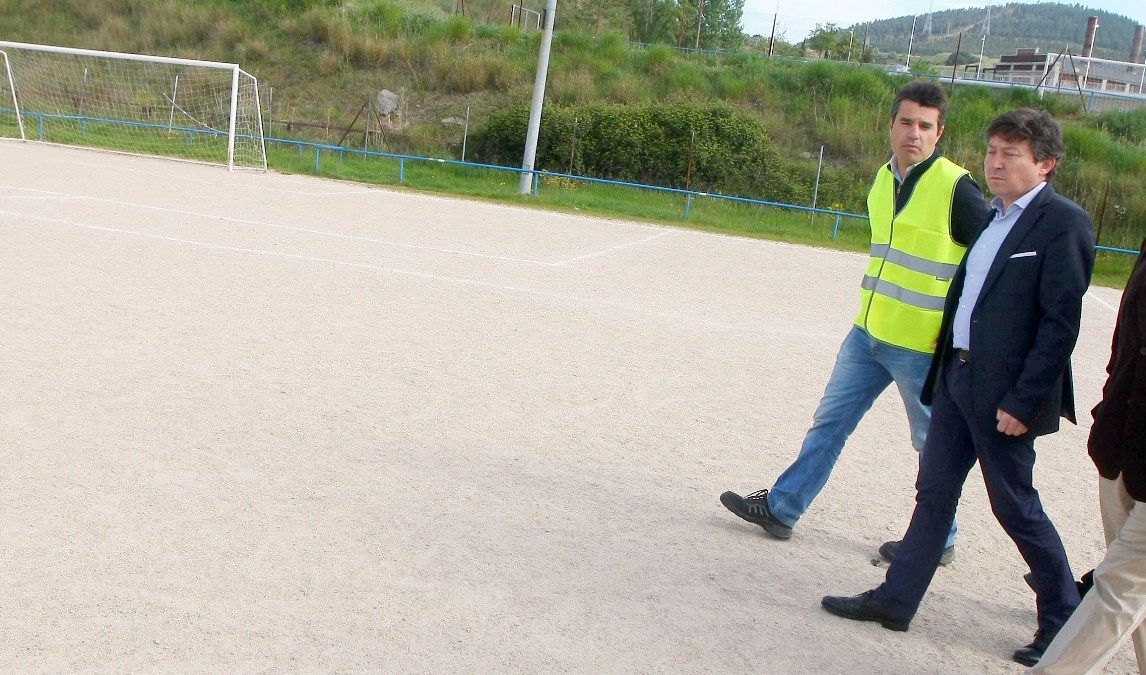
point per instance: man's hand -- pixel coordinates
(1009, 424)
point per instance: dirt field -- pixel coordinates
(260, 422)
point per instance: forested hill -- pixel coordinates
(1047, 26)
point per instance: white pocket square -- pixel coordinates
(1025, 254)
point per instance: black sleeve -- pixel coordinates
(969, 211)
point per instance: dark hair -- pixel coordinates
(1028, 124)
(924, 93)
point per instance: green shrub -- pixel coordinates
(501, 38)
(1127, 126)
(864, 84)
(417, 24)
(627, 88)
(384, 17)
(687, 76)
(455, 30)
(1097, 147)
(572, 87)
(819, 76)
(731, 85)
(655, 60)
(731, 152)
(612, 46)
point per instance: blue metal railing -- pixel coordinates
(537, 175)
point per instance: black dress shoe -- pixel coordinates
(863, 608)
(1030, 655)
(888, 549)
(754, 509)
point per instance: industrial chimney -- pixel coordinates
(1088, 41)
(1136, 47)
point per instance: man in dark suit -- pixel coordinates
(999, 378)
(1114, 607)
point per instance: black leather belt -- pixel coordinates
(963, 355)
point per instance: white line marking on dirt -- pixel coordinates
(611, 249)
(669, 316)
(1092, 296)
(292, 228)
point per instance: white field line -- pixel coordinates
(167, 159)
(1092, 296)
(618, 247)
(339, 189)
(292, 228)
(673, 317)
(48, 194)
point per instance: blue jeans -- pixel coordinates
(864, 368)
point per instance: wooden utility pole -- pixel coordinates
(955, 65)
(699, 22)
(772, 40)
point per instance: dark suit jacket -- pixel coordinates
(1118, 437)
(1025, 323)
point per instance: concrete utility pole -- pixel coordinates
(525, 187)
(983, 45)
(910, 41)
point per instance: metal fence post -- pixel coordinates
(687, 204)
(401, 169)
(317, 157)
(836, 229)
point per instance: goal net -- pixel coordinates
(196, 110)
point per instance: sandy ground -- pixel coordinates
(257, 422)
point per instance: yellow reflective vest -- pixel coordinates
(913, 258)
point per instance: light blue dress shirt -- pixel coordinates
(979, 260)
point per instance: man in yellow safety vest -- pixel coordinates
(924, 211)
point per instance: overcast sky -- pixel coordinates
(797, 17)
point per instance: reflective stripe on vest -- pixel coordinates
(911, 262)
(903, 295)
(913, 258)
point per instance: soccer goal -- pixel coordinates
(196, 110)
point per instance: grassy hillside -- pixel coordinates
(325, 60)
(1051, 27)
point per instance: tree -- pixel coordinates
(923, 67)
(825, 39)
(675, 22)
(653, 20)
(721, 27)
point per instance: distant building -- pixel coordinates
(1031, 66)
(1096, 74)
(1027, 66)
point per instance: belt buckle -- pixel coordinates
(963, 355)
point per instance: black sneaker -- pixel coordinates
(754, 509)
(888, 549)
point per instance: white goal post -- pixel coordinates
(201, 111)
(9, 108)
